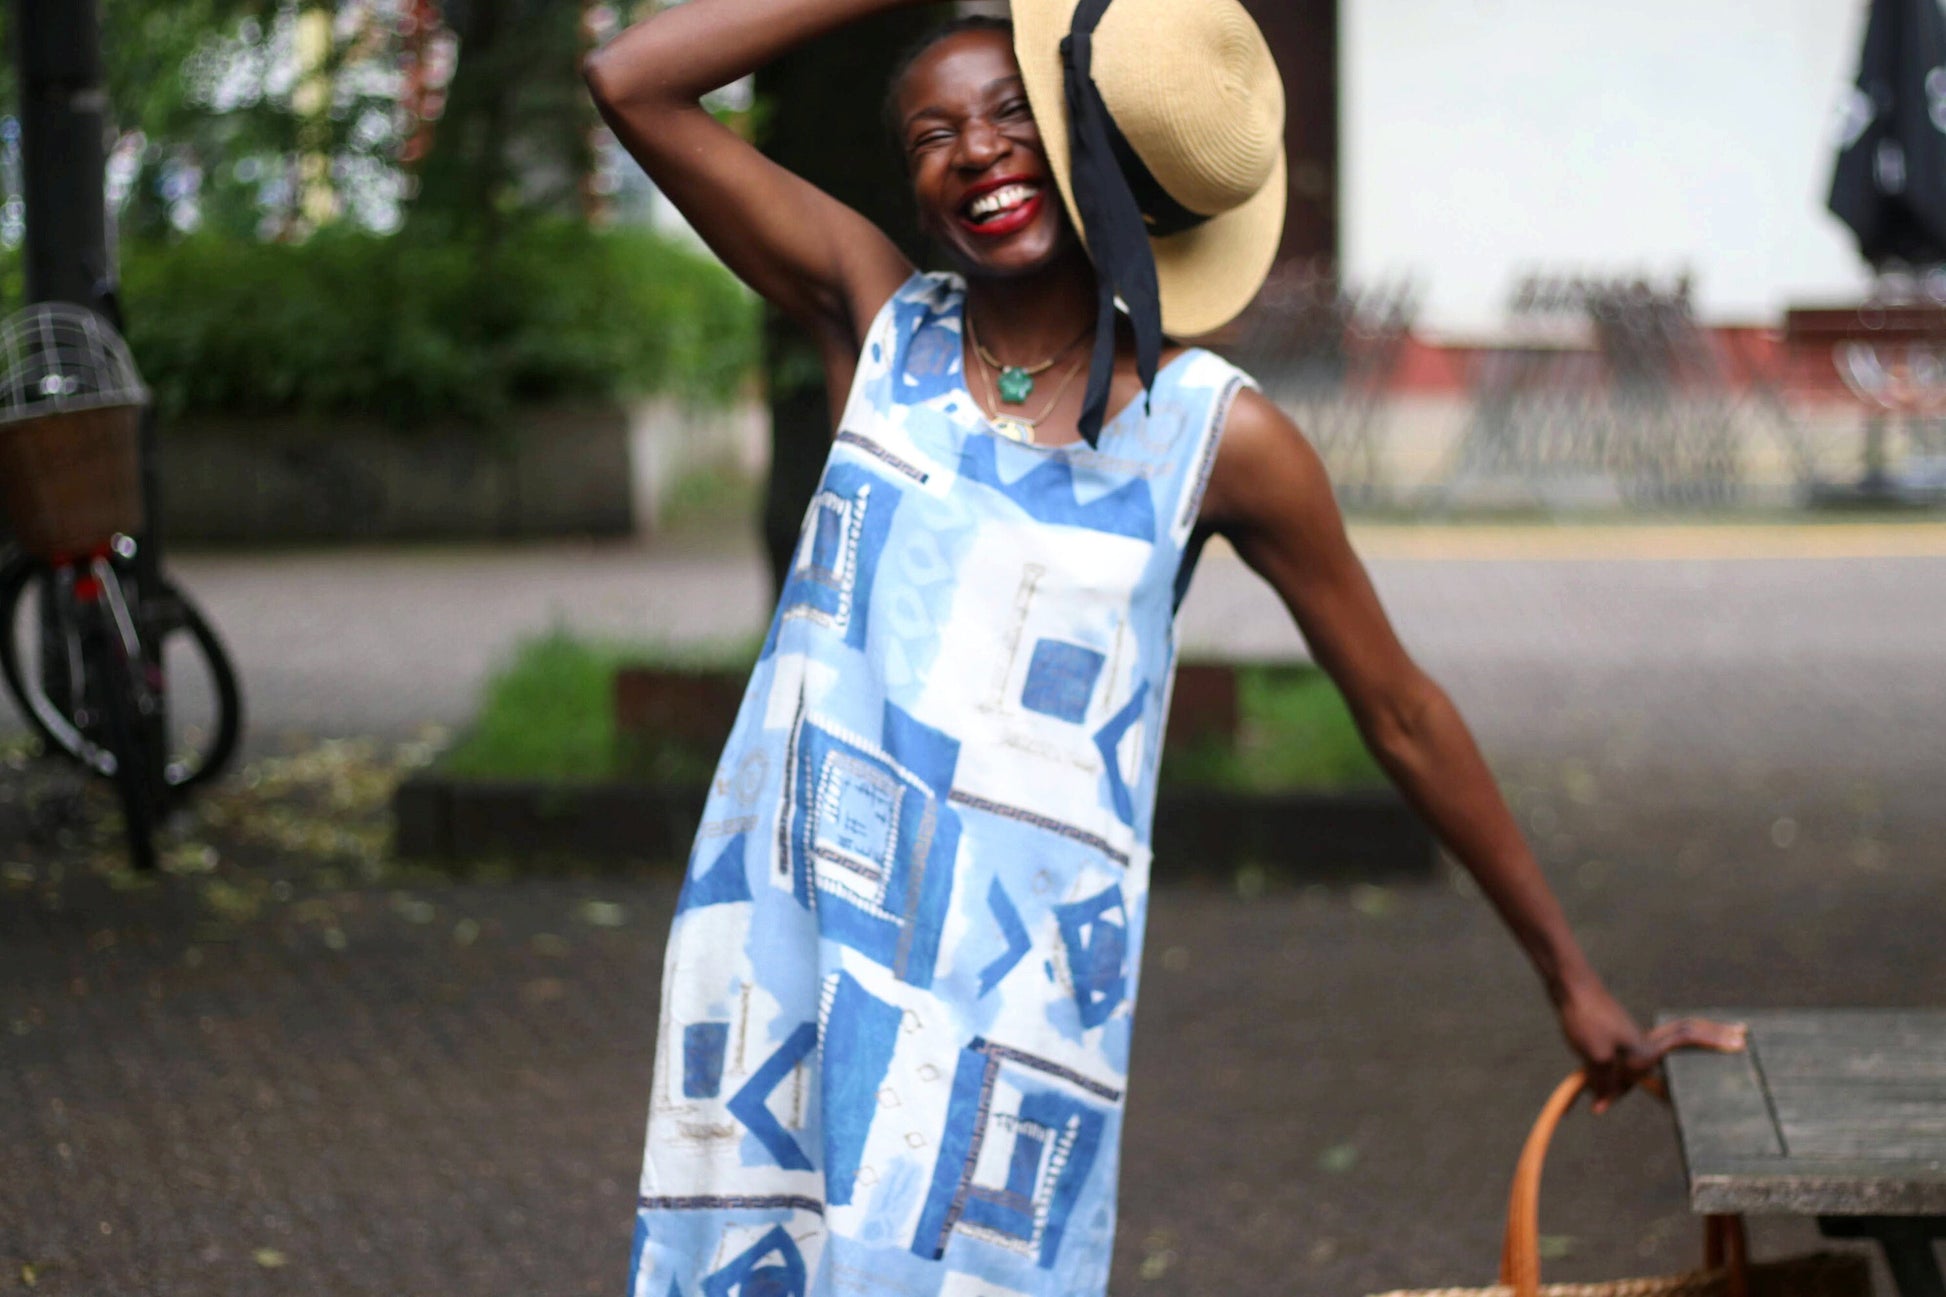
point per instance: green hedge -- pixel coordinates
(409, 328)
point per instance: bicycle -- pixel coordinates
(87, 659)
(85, 649)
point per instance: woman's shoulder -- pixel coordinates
(1198, 368)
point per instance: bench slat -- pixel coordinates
(1835, 1112)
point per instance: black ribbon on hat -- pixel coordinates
(1121, 205)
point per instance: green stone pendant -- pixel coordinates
(1016, 384)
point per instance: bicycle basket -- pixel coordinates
(70, 417)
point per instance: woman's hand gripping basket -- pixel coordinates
(1726, 1271)
(70, 422)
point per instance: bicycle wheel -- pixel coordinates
(115, 681)
(201, 694)
(204, 712)
(39, 642)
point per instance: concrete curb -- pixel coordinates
(1357, 835)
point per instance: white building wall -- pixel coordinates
(1483, 138)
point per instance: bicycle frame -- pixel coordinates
(82, 582)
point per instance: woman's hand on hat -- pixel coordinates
(1617, 1054)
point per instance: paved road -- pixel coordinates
(307, 1072)
(282, 1078)
(1761, 657)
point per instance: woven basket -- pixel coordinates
(70, 481)
(1727, 1270)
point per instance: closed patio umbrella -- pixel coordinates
(1890, 182)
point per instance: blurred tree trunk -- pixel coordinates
(514, 134)
(824, 106)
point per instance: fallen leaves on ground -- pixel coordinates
(285, 838)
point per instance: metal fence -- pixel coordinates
(1325, 351)
(1607, 391)
(1600, 391)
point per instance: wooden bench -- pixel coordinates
(1837, 1114)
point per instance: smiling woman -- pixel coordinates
(970, 82)
(898, 996)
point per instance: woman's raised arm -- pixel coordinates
(819, 261)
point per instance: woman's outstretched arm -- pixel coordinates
(1270, 497)
(819, 261)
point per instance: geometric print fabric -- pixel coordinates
(898, 992)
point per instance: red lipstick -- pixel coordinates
(1010, 222)
(1018, 219)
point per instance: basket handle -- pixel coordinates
(1724, 1242)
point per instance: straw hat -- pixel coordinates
(1192, 88)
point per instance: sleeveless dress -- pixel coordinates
(897, 998)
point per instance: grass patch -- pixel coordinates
(549, 714)
(1293, 732)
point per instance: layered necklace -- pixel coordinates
(1013, 384)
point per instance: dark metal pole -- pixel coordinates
(64, 122)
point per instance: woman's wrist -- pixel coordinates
(1566, 972)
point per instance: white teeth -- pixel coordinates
(1000, 200)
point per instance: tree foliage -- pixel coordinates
(275, 117)
(250, 131)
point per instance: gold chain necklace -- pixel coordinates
(1020, 427)
(1016, 382)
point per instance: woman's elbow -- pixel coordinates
(598, 73)
(630, 72)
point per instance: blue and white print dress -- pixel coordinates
(897, 998)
